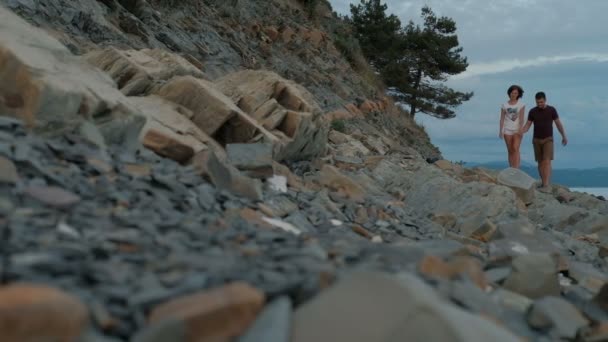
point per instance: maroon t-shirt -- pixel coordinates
(543, 121)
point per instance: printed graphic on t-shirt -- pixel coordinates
(512, 113)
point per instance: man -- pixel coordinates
(543, 116)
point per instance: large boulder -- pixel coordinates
(432, 193)
(42, 83)
(287, 109)
(520, 182)
(213, 112)
(168, 130)
(135, 71)
(375, 307)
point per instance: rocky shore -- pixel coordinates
(147, 196)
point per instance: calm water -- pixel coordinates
(593, 191)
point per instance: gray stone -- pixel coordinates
(520, 182)
(497, 275)
(556, 314)
(511, 300)
(375, 307)
(168, 330)
(281, 206)
(272, 325)
(534, 276)
(52, 196)
(255, 158)
(227, 177)
(8, 171)
(89, 131)
(467, 294)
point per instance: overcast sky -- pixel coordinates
(558, 46)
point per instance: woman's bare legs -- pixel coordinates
(516, 143)
(509, 143)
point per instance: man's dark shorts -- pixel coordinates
(543, 148)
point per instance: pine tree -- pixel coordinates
(414, 60)
(375, 30)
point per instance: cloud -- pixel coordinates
(505, 65)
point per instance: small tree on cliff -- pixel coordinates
(416, 60)
(375, 30)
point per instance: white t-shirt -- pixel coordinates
(512, 122)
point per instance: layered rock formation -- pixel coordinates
(171, 198)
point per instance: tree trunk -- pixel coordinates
(417, 81)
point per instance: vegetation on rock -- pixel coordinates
(414, 60)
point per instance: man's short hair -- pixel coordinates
(540, 95)
(519, 90)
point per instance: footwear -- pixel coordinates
(547, 189)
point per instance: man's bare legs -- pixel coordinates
(544, 170)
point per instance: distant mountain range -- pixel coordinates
(595, 177)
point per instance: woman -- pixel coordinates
(511, 122)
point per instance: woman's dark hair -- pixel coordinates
(519, 90)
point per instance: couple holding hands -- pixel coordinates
(513, 127)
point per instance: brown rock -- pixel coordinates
(337, 137)
(136, 70)
(432, 266)
(211, 109)
(52, 196)
(278, 207)
(302, 133)
(354, 110)
(294, 181)
(33, 313)
(599, 333)
(173, 120)
(274, 120)
(166, 145)
(288, 34)
(332, 178)
(361, 215)
(8, 171)
(138, 170)
(316, 37)
(272, 33)
(445, 165)
(445, 220)
(254, 217)
(265, 110)
(219, 314)
(340, 114)
(368, 107)
(53, 90)
(486, 232)
(362, 231)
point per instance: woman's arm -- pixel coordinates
(502, 122)
(522, 114)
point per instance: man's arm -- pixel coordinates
(526, 127)
(522, 112)
(560, 128)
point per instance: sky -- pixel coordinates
(557, 46)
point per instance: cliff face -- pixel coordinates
(216, 171)
(294, 39)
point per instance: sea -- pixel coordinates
(593, 191)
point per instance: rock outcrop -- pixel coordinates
(261, 207)
(42, 83)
